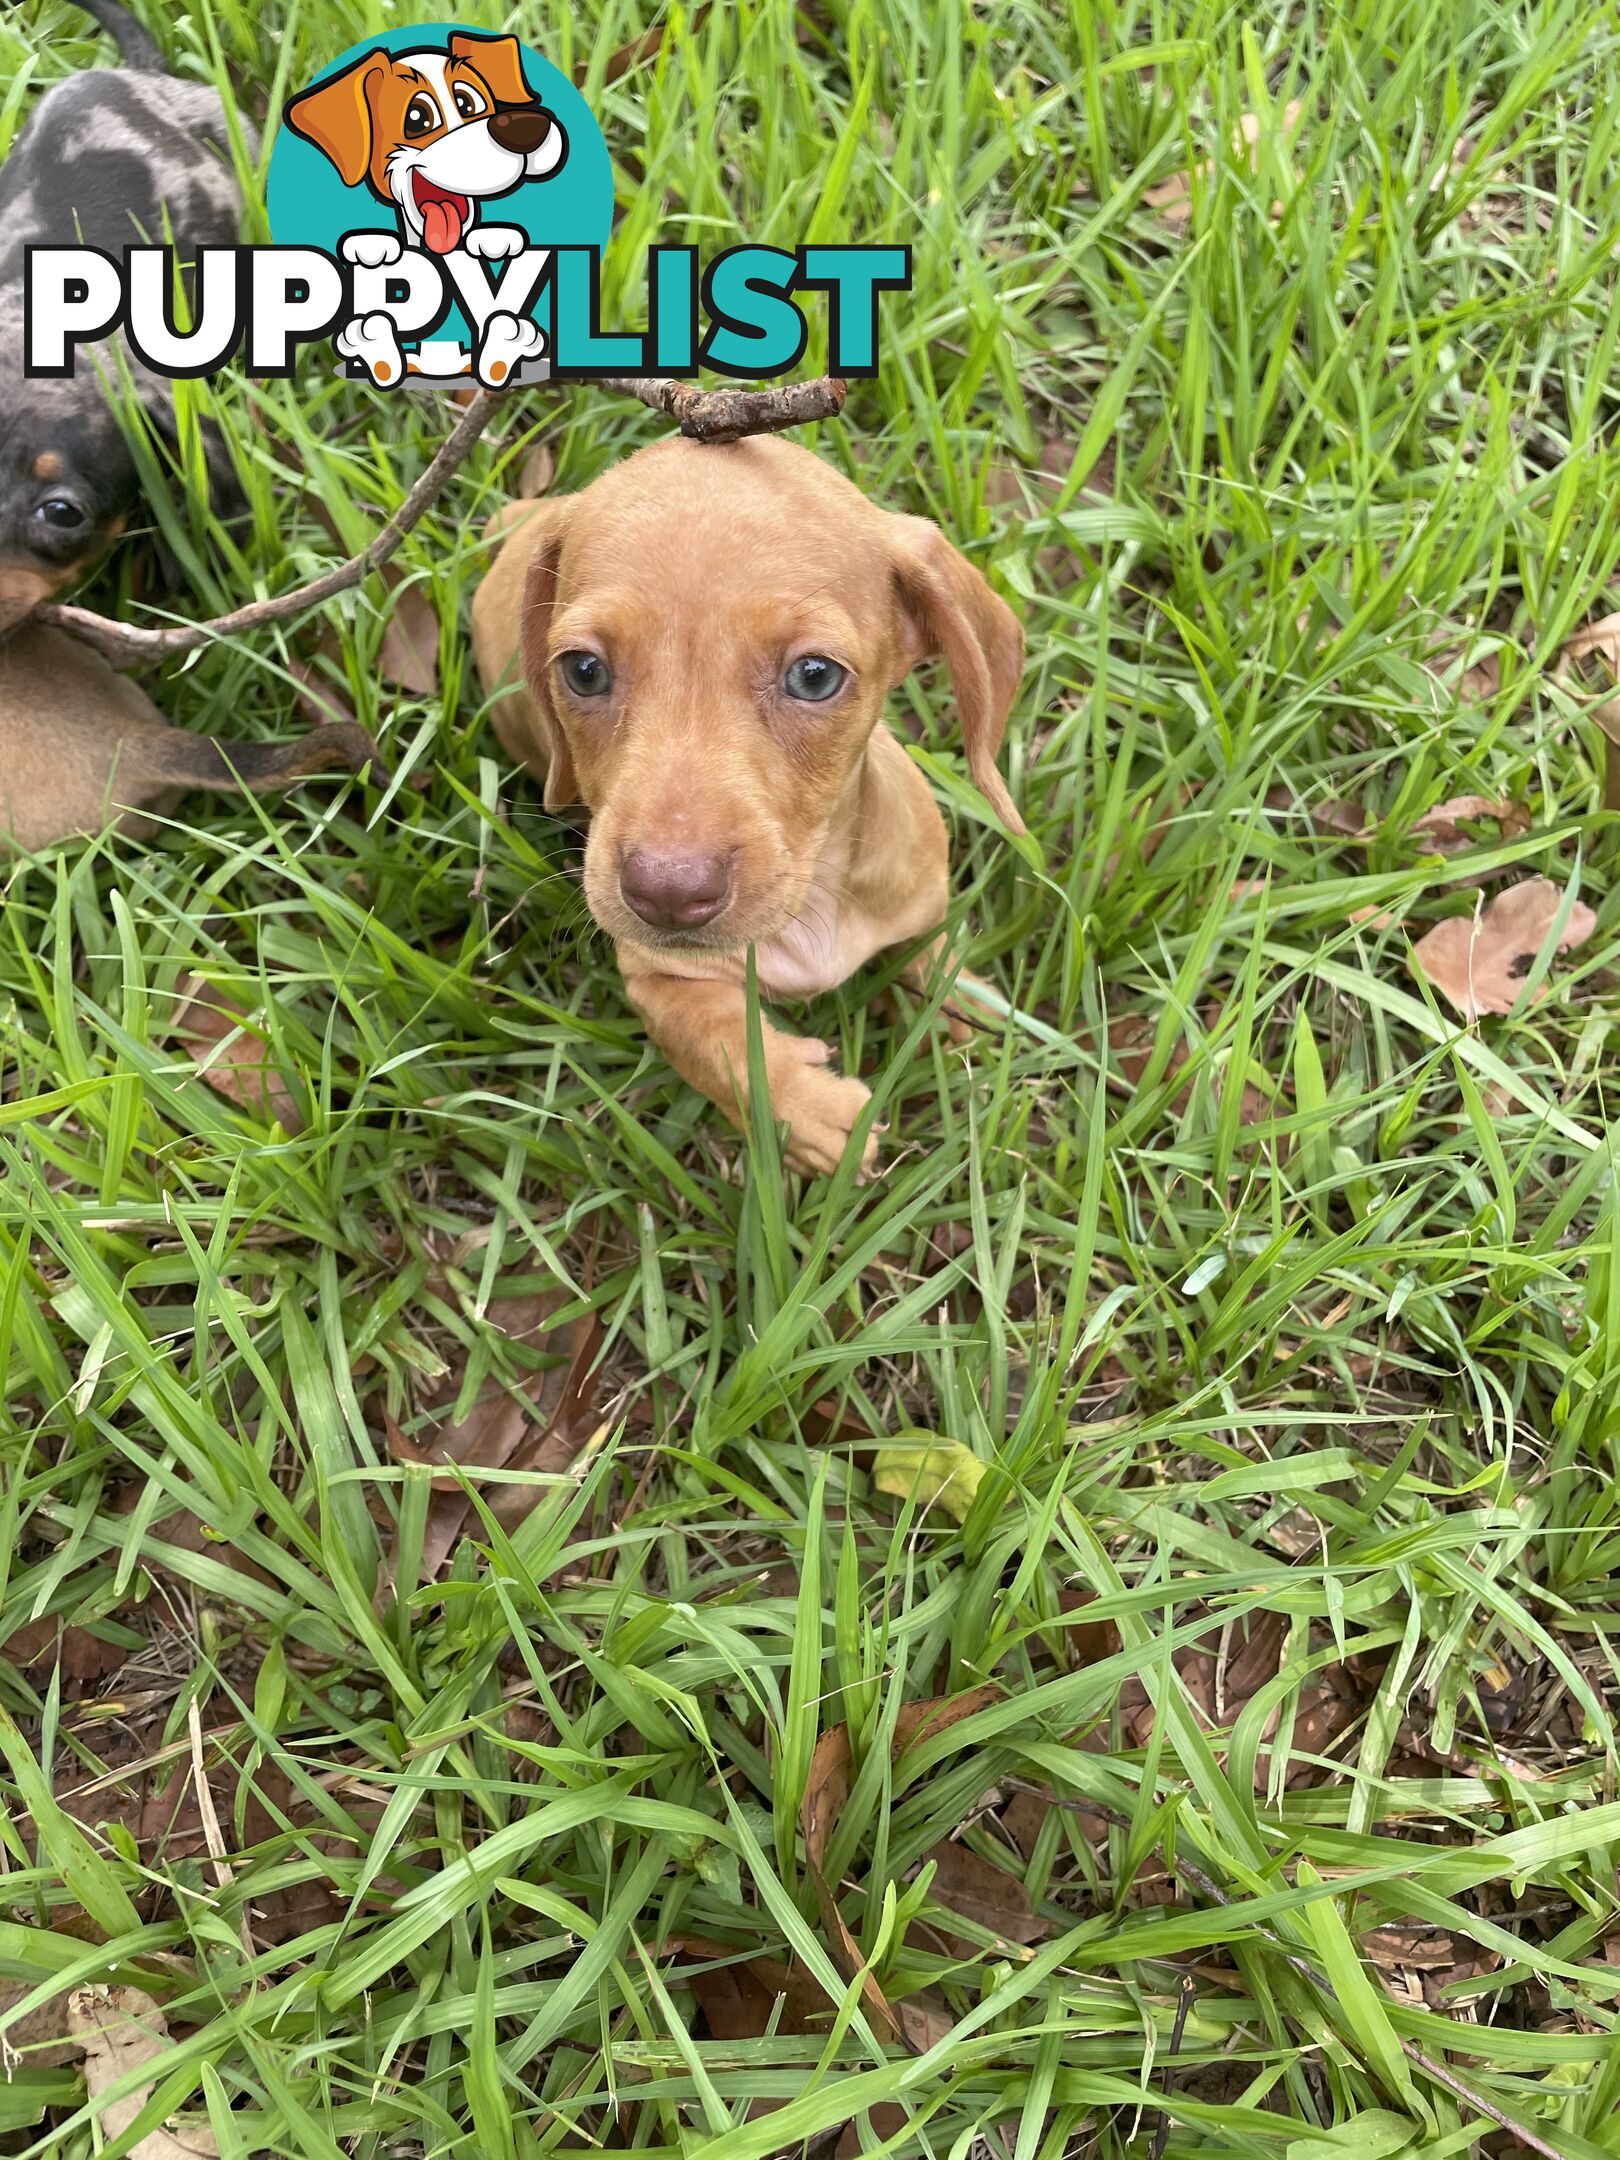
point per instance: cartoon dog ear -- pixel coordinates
(500, 61)
(550, 523)
(336, 116)
(945, 606)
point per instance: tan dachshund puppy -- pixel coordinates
(707, 638)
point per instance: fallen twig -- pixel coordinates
(1161, 2136)
(721, 416)
(711, 416)
(126, 643)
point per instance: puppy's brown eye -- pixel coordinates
(58, 511)
(468, 102)
(814, 679)
(421, 116)
(585, 674)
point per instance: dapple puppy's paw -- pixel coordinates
(375, 344)
(821, 1109)
(495, 242)
(372, 250)
(508, 341)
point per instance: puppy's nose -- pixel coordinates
(675, 891)
(520, 131)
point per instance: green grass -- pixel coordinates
(1291, 1320)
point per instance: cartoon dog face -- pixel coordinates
(434, 133)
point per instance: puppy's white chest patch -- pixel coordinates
(815, 953)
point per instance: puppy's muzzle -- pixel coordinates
(675, 891)
(519, 131)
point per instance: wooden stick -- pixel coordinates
(712, 416)
(721, 416)
(128, 642)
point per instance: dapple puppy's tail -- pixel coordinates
(140, 49)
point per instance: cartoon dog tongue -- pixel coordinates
(443, 216)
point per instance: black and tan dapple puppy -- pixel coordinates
(109, 159)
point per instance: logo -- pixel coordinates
(443, 168)
(439, 200)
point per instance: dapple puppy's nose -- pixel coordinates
(520, 131)
(675, 891)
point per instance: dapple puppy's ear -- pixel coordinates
(539, 598)
(946, 607)
(336, 116)
(500, 61)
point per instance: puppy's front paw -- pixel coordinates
(372, 250)
(373, 342)
(822, 1109)
(495, 242)
(508, 341)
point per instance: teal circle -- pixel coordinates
(309, 206)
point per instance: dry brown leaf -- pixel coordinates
(1130, 1038)
(550, 1449)
(739, 1995)
(1601, 637)
(1443, 825)
(985, 1894)
(1220, 1683)
(1153, 838)
(1341, 816)
(409, 653)
(156, 1801)
(922, 1721)
(1479, 681)
(916, 2022)
(636, 51)
(888, 2119)
(218, 1036)
(1480, 961)
(1172, 198)
(38, 2040)
(536, 473)
(122, 2031)
(1023, 1819)
(187, 1532)
(1416, 1948)
(542, 1427)
(74, 1651)
(1346, 818)
(1007, 482)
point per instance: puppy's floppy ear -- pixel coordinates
(336, 116)
(500, 61)
(539, 598)
(945, 606)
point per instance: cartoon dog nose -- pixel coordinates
(520, 131)
(675, 892)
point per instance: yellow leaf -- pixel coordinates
(941, 1473)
